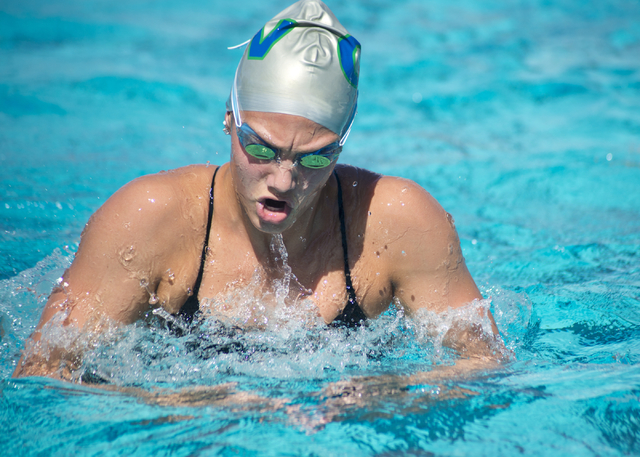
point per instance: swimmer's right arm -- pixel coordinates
(126, 249)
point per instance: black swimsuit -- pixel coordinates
(351, 316)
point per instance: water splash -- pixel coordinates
(464, 331)
(272, 299)
(281, 287)
(275, 334)
(22, 299)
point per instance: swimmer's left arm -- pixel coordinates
(426, 266)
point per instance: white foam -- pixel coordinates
(274, 333)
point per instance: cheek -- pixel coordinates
(245, 175)
(311, 183)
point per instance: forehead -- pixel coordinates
(288, 130)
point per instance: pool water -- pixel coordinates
(521, 117)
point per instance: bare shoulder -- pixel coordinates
(421, 248)
(395, 205)
(388, 196)
(425, 262)
(405, 244)
(165, 187)
(389, 206)
(358, 187)
(146, 227)
(157, 200)
(413, 219)
(406, 202)
(157, 215)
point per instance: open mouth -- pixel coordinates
(274, 205)
(273, 211)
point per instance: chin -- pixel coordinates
(274, 229)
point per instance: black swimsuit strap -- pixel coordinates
(352, 314)
(192, 305)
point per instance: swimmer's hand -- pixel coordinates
(58, 363)
(480, 352)
(473, 343)
(56, 347)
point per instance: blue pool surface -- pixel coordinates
(521, 117)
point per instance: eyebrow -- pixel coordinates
(265, 143)
(279, 150)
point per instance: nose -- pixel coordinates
(283, 177)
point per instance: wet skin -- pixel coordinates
(274, 196)
(141, 249)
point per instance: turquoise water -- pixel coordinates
(522, 118)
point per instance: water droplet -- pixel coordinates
(474, 241)
(609, 157)
(171, 277)
(452, 222)
(144, 282)
(127, 255)
(153, 299)
(189, 291)
(355, 183)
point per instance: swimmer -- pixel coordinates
(356, 241)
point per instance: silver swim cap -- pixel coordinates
(302, 62)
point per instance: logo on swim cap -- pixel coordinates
(261, 45)
(348, 48)
(349, 51)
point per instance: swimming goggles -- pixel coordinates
(260, 149)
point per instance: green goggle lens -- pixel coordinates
(315, 161)
(260, 152)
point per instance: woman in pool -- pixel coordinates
(356, 240)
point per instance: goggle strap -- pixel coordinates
(343, 140)
(234, 102)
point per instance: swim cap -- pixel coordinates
(302, 62)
